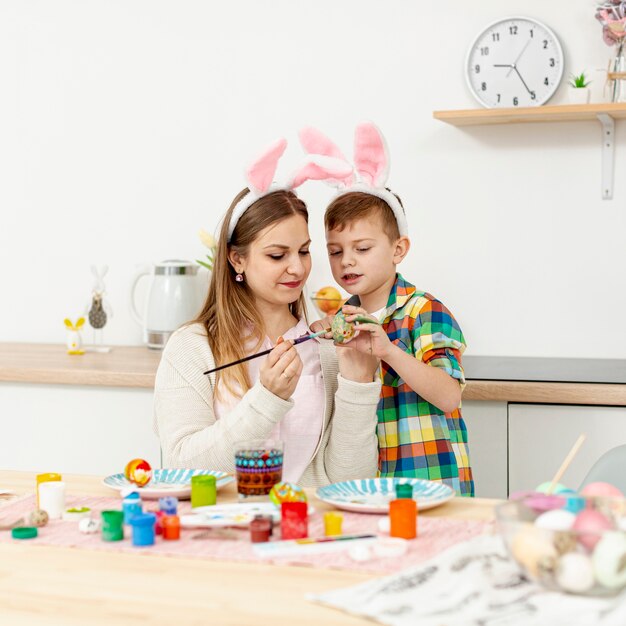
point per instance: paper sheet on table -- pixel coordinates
(472, 583)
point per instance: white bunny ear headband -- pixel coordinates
(260, 176)
(371, 161)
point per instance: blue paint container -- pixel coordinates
(131, 505)
(168, 505)
(143, 529)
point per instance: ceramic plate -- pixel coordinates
(167, 482)
(373, 495)
(236, 514)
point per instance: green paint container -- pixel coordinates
(203, 490)
(112, 525)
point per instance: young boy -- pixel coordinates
(421, 433)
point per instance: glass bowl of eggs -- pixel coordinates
(568, 542)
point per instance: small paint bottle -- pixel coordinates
(143, 529)
(169, 505)
(294, 520)
(171, 527)
(131, 505)
(158, 527)
(112, 525)
(203, 490)
(332, 523)
(403, 513)
(260, 529)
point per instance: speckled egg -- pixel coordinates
(557, 519)
(38, 518)
(590, 525)
(89, 526)
(138, 471)
(601, 490)
(609, 560)
(286, 492)
(532, 548)
(574, 573)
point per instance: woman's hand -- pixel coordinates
(281, 370)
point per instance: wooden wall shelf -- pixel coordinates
(605, 113)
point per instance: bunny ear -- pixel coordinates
(105, 269)
(315, 142)
(370, 155)
(331, 170)
(80, 322)
(260, 173)
(68, 323)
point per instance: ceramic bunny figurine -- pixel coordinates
(99, 309)
(74, 341)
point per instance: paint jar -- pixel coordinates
(169, 505)
(143, 529)
(260, 529)
(52, 498)
(112, 525)
(158, 527)
(171, 527)
(404, 490)
(45, 478)
(203, 490)
(131, 505)
(294, 520)
(332, 523)
(403, 516)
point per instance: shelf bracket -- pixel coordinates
(608, 154)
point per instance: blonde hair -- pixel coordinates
(358, 205)
(229, 309)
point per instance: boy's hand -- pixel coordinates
(372, 339)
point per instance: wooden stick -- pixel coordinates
(566, 462)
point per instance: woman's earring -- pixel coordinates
(239, 278)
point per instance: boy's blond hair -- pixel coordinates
(357, 205)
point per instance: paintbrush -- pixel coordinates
(258, 354)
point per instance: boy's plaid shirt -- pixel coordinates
(416, 439)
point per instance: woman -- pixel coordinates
(320, 402)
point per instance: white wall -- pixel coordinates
(125, 125)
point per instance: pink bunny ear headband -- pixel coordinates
(260, 176)
(371, 161)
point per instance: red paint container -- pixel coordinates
(260, 529)
(294, 520)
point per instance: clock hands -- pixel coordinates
(513, 66)
(519, 56)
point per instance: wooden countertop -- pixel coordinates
(50, 586)
(135, 366)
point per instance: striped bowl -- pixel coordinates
(167, 482)
(373, 495)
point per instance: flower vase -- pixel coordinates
(618, 64)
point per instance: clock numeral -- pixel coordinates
(515, 101)
(532, 33)
(545, 44)
(483, 86)
(533, 95)
(513, 30)
(498, 97)
(484, 51)
(546, 81)
(551, 62)
(495, 36)
(477, 69)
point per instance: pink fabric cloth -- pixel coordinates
(434, 535)
(301, 428)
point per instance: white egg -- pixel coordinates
(574, 572)
(88, 525)
(557, 519)
(609, 560)
(384, 524)
(360, 553)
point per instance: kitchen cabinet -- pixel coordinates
(540, 436)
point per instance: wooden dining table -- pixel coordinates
(46, 585)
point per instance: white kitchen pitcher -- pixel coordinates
(175, 296)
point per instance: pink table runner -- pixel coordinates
(434, 535)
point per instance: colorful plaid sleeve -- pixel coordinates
(437, 337)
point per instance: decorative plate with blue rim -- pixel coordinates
(167, 482)
(373, 495)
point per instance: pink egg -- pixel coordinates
(544, 502)
(590, 525)
(602, 490)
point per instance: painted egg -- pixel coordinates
(544, 502)
(601, 490)
(609, 560)
(565, 541)
(342, 330)
(574, 572)
(138, 471)
(89, 526)
(38, 518)
(590, 525)
(557, 519)
(558, 488)
(532, 548)
(286, 492)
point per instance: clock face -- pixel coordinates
(514, 62)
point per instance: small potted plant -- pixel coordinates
(579, 92)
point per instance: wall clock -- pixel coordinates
(514, 62)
